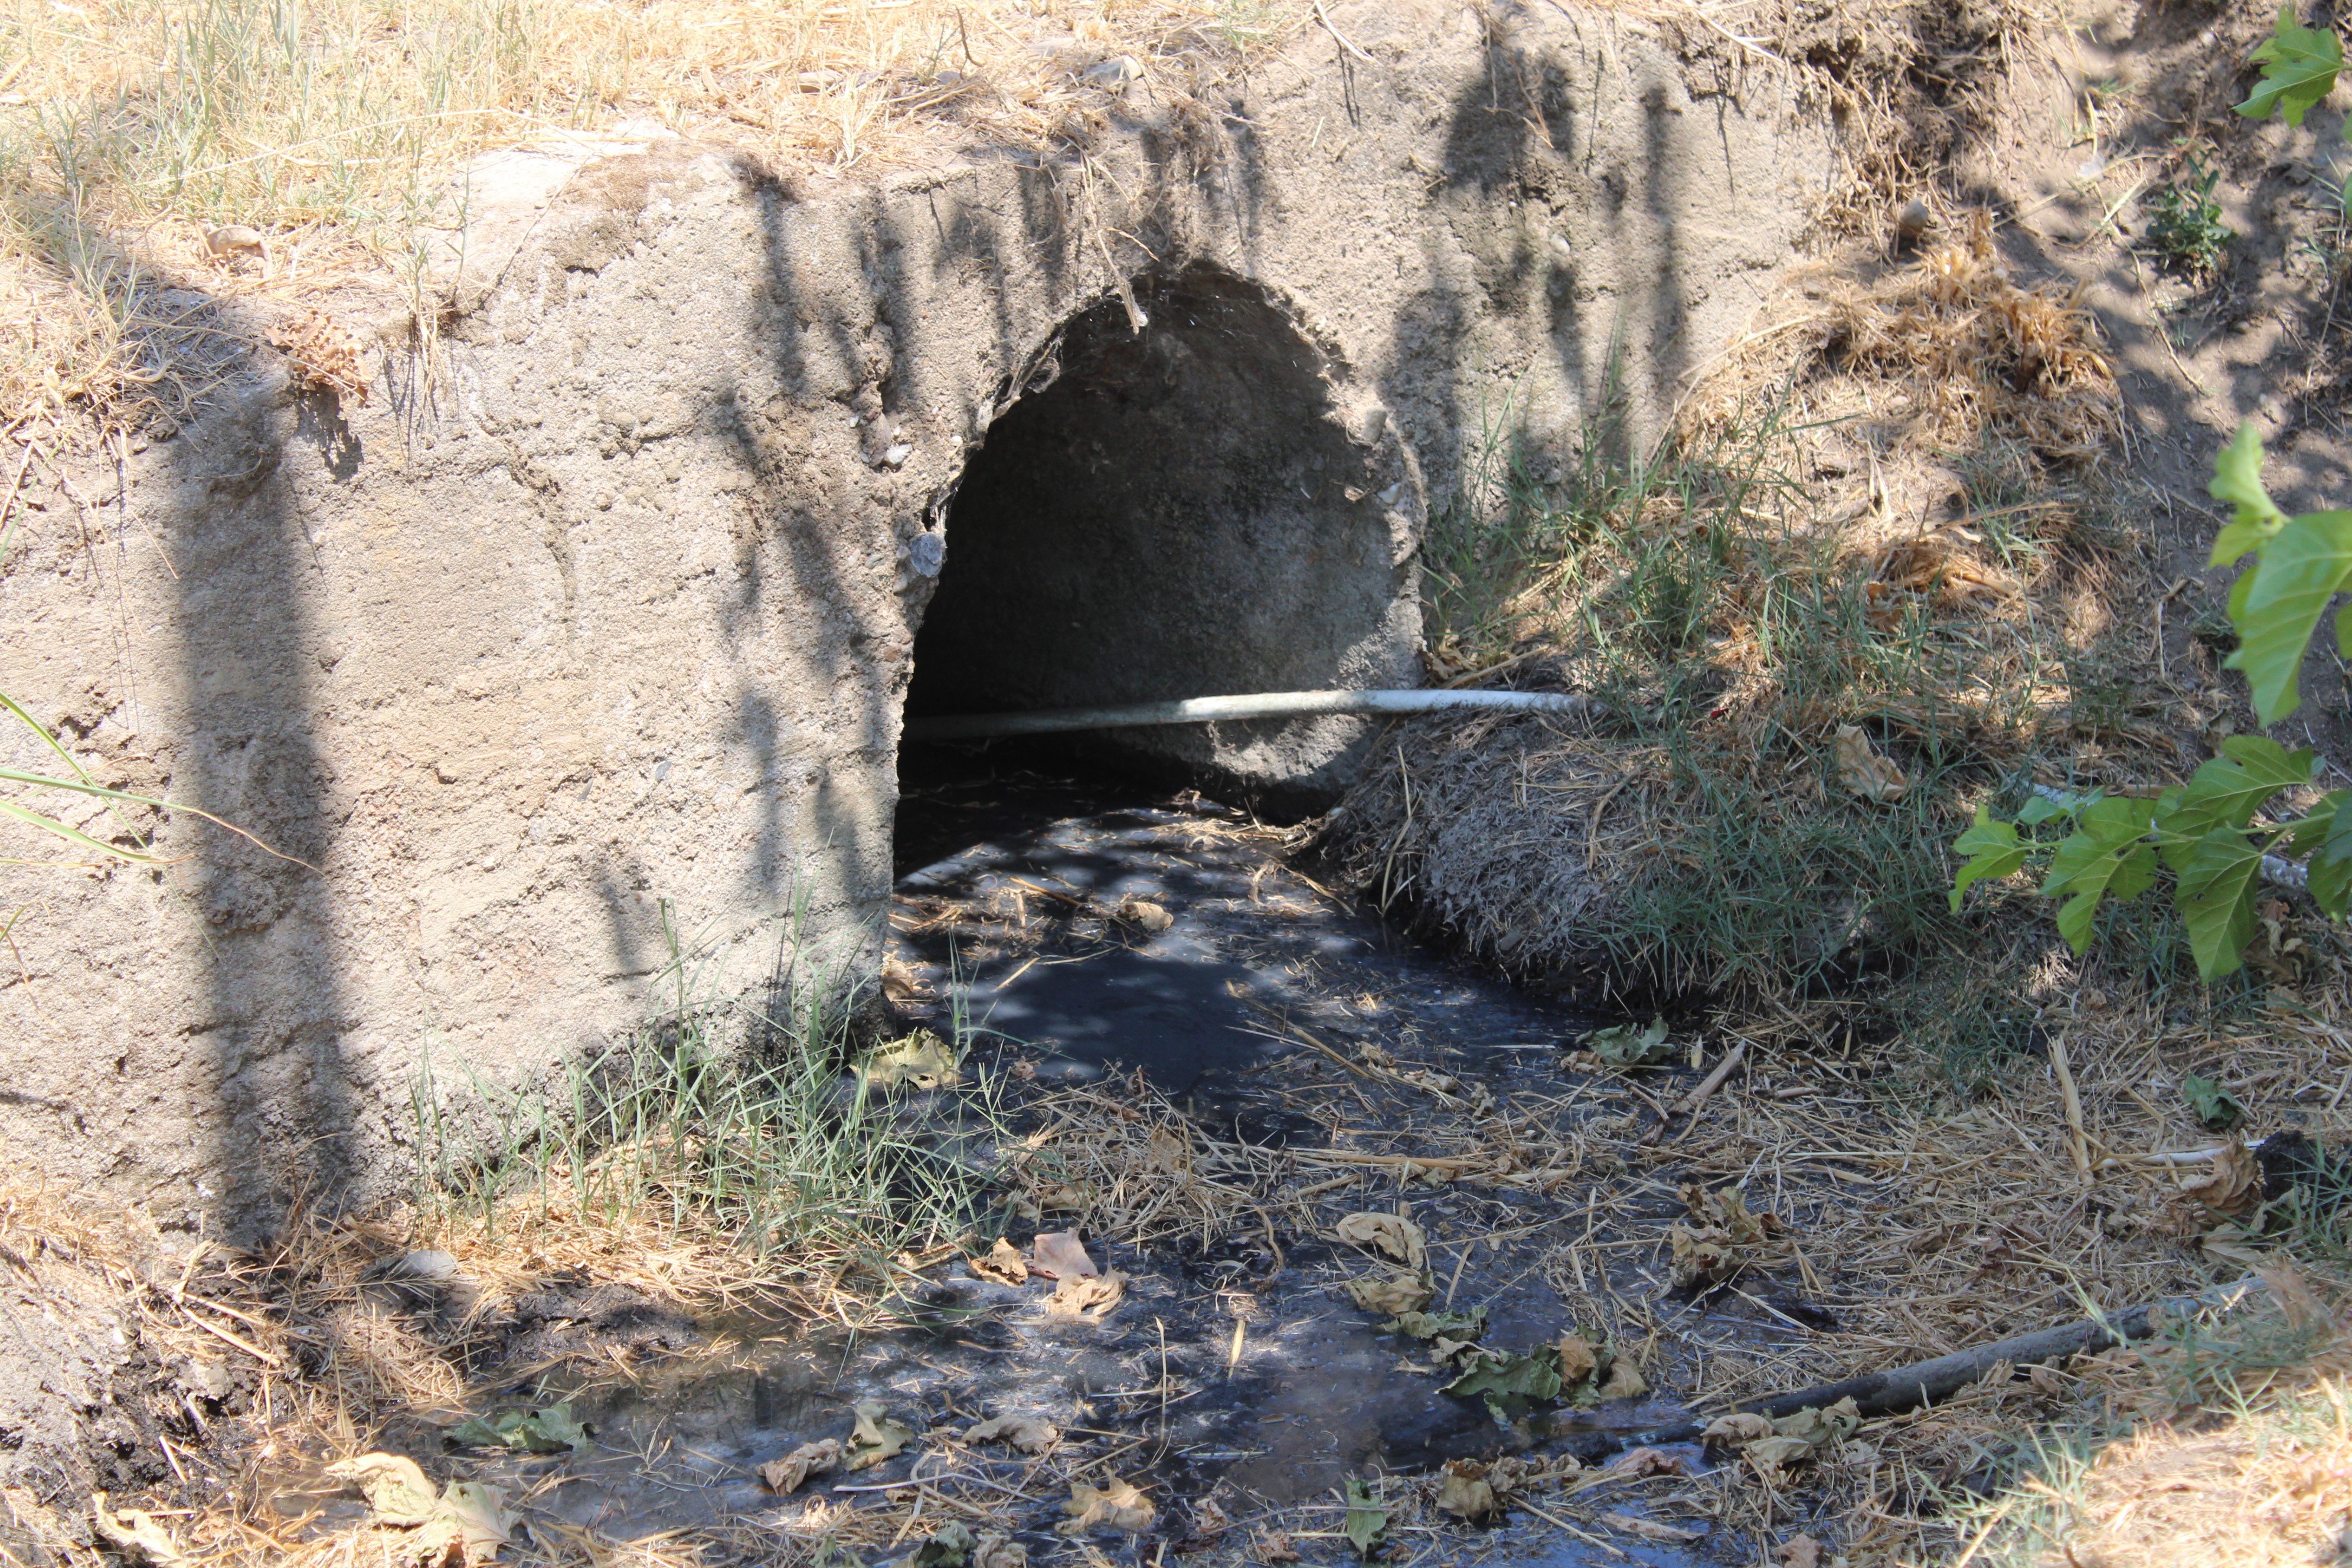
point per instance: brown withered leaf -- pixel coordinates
(2232, 1184)
(1392, 1234)
(1862, 771)
(1650, 1529)
(1003, 1264)
(1114, 1505)
(1702, 1256)
(135, 1534)
(321, 356)
(1168, 1153)
(1464, 1491)
(1739, 1426)
(394, 1484)
(1060, 1254)
(1000, 1551)
(876, 1437)
(1392, 1293)
(788, 1474)
(1089, 1298)
(1635, 1463)
(1025, 1433)
(1800, 1552)
(1623, 1381)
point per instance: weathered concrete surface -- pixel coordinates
(589, 633)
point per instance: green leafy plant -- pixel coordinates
(1367, 1524)
(2216, 1108)
(2212, 834)
(2185, 222)
(2299, 69)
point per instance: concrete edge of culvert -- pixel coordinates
(1400, 703)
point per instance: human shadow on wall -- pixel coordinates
(274, 1028)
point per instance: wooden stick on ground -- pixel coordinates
(1924, 1383)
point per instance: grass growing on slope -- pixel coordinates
(752, 1143)
(1867, 578)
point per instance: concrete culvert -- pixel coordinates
(1178, 512)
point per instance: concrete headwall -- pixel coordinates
(588, 633)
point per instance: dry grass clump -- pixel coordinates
(1970, 354)
(2271, 1488)
(1131, 1165)
(1515, 837)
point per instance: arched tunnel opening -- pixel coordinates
(1174, 512)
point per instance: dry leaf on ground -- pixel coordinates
(1168, 1153)
(1143, 912)
(1394, 1293)
(1799, 1438)
(396, 1490)
(997, 1552)
(787, 1474)
(1635, 1463)
(1060, 1254)
(876, 1439)
(922, 1059)
(1274, 1548)
(1114, 1505)
(2234, 1182)
(1089, 1297)
(470, 1523)
(466, 1520)
(1025, 1433)
(135, 1534)
(1650, 1529)
(1623, 1379)
(1740, 1426)
(1863, 771)
(1801, 1551)
(1466, 1492)
(1393, 1235)
(1003, 1264)
(1703, 1257)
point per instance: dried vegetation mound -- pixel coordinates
(1519, 840)
(1872, 563)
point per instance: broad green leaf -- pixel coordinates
(1625, 1045)
(2215, 898)
(2300, 569)
(2044, 808)
(2238, 479)
(1991, 848)
(2106, 853)
(1508, 1383)
(1466, 1325)
(551, 1430)
(2229, 790)
(2299, 66)
(2329, 845)
(2216, 1106)
(1367, 1522)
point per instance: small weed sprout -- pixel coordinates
(2185, 223)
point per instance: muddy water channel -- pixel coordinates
(1202, 1062)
